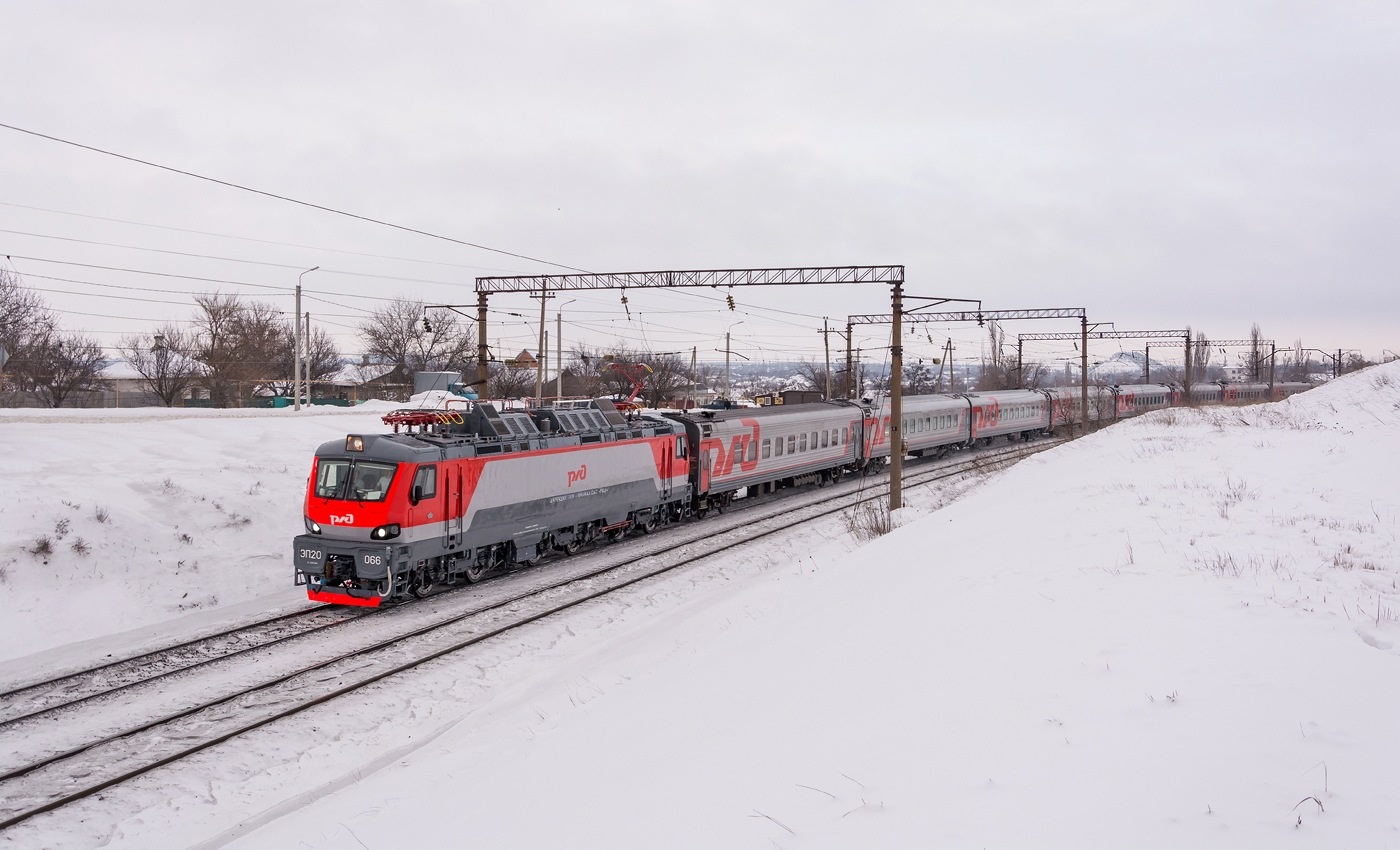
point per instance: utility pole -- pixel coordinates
(850, 376)
(1084, 368)
(296, 343)
(544, 297)
(896, 399)
(481, 350)
(826, 342)
(1186, 378)
(306, 369)
(946, 363)
(726, 365)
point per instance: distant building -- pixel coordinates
(789, 397)
(687, 396)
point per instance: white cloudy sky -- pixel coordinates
(1190, 163)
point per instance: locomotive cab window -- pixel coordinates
(425, 482)
(369, 481)
(330, 478)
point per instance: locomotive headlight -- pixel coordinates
(385, 532)
(311, 525)
(354, 443)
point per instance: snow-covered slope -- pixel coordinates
(1181, 631)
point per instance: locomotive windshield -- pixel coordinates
(360, 481)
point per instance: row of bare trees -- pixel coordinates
(232, 347)
(38, 357)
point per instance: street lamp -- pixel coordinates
(296, 345)
(559, 350)
(727, 352)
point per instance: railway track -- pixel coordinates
(30, 699)
(77, 749)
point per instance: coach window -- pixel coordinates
(767, 448)
(426, 479)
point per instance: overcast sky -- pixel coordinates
(1192, 163)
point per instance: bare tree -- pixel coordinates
(163, 361)
(510, 380)
(63, 365)
(400, 334)
(919, 378)
(1200, 358)
(669, 373)
(25, 324)
(1353, 361)
(997, 372)
(237, 342)
(323, 361)
(815, 375)
(1256, 352)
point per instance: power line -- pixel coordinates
(228, 259)
(283, 289)
(253, 239)
(288, 199)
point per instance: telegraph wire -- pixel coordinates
(275, 196)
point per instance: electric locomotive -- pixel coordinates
(453, 494)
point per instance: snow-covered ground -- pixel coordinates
(1181, 631)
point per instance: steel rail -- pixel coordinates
(958, 467)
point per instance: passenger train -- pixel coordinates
(453, 495)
